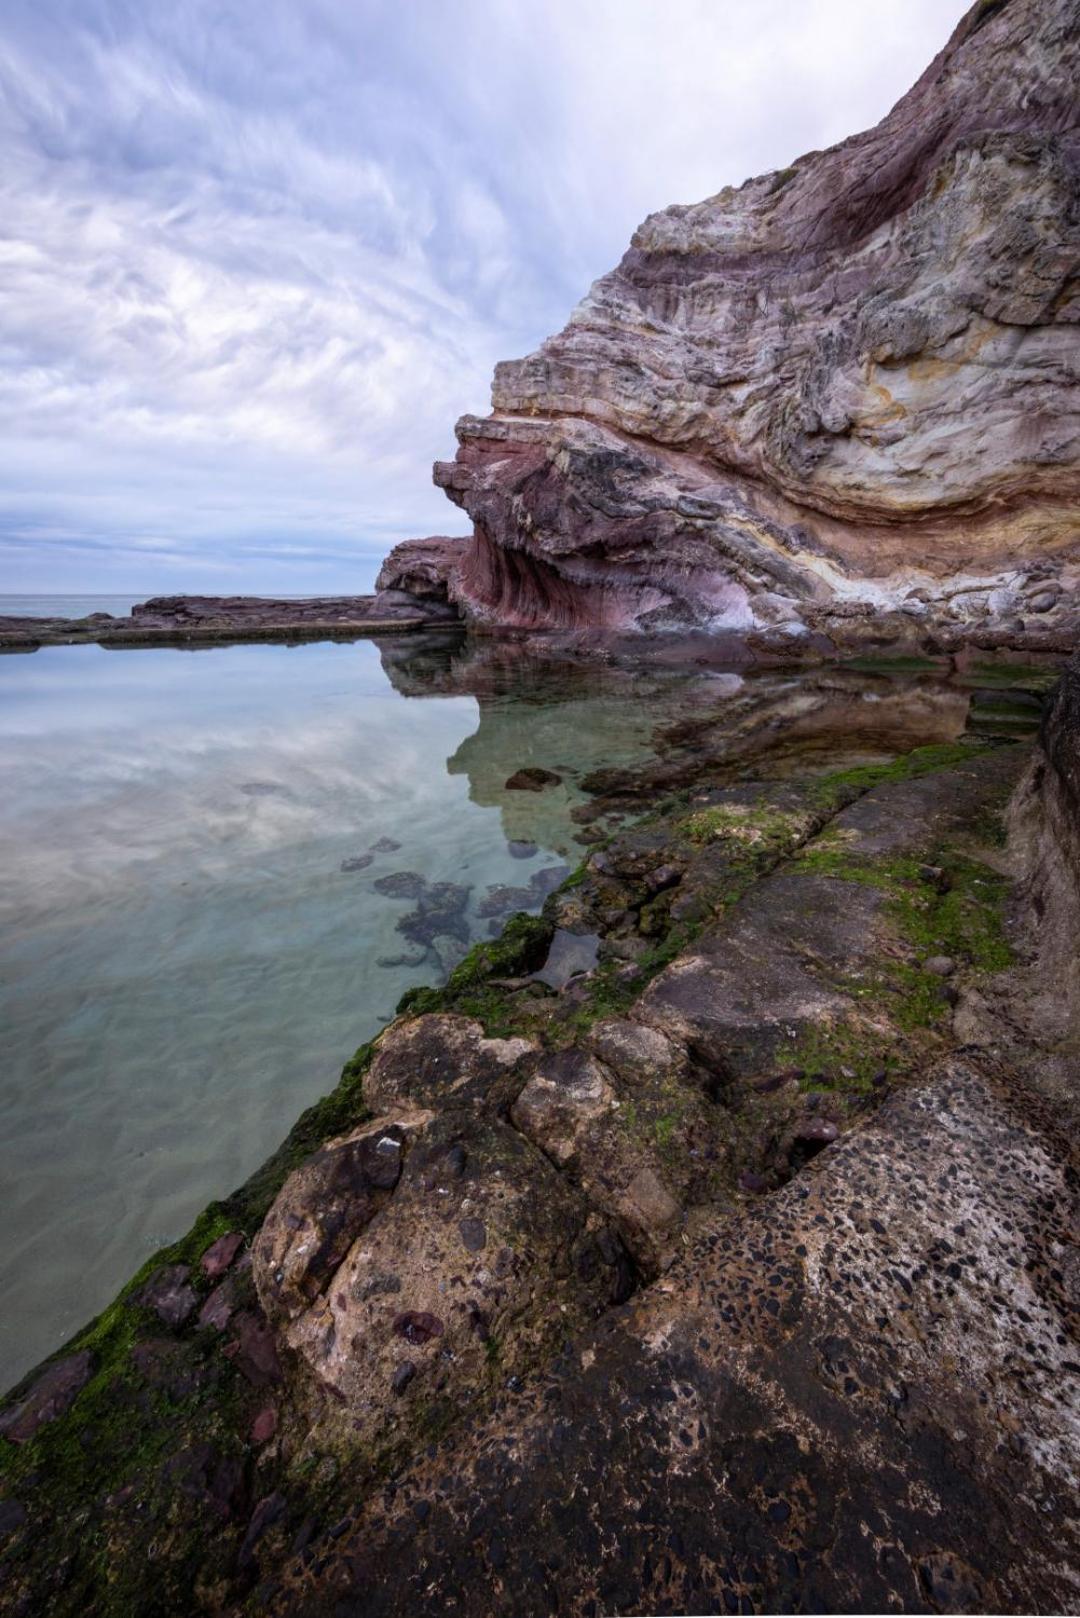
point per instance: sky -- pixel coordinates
(257, 258)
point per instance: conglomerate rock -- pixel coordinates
(735, 1273)
(842, 391)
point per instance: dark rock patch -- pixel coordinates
(357, 862)
(169, 1294)
(53, 1393)
(532, 779)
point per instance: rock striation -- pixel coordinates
(841, 393)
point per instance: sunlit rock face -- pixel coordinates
(843, 390)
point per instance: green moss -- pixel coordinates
(664, 1130)
(1011, 676)
(845, 1056)
(577, 876)
(912, 664)
(964, 922)
(521, 948)
(758, 834)
(834, 791)
(606, 995)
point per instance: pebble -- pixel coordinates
(264, 1426)
(402, 1376)
(220, 1254)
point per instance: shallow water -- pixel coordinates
(185, 965)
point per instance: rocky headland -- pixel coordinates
(706, 1242)
(835, 405)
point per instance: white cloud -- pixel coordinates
(256, 264)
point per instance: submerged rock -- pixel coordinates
(532, 779)
(357, 862)
(400, 885)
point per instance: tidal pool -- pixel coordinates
(220, 869)
(184, 962)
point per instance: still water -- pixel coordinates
(202, 902)
(184, 964)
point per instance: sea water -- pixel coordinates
(184, 964)
(196, 926)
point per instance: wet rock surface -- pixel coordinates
(49, 1396)
(826, 1407)
(742, 1249)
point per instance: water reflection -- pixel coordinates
(222, 868)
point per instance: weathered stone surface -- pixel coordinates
(53, 1392)
(169, 1294)
(828, 1406)
(468, 1237)
(1045, 833)
(323, 1208)
(555, 1109)
(421, 568)
(478, 1240)
(640, 1053)
(844, 389)
(220, 1254)
(439, 1061)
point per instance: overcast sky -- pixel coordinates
(256, 256)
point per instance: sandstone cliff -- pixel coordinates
(844, 390)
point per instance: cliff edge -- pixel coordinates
(842, 392)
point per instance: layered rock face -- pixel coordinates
(843, 390)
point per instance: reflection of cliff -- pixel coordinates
(612, 733)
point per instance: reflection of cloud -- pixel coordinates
(256, 261)
(120, 784)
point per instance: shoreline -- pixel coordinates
(224, 620)
(200, 1364)
(207, 621)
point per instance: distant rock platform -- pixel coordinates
(172, 620)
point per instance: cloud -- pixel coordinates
(256, 261)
